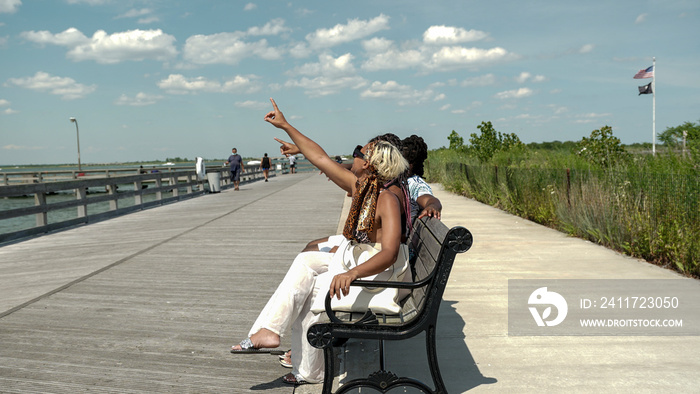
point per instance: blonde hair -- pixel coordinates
(388, 161)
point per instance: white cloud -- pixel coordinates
(231, 47)
(179, 84)
(430, 58)
(437, 51)
(226, 48)
(130, 45)
(523, 77)
(141, 99)
(558, 109)
(250, 7)
(250, 104)
(327, 65)
(355, 29)
(66, 87)
(394, 59)
(482, 80)
(329, 76)
(456, 56)
(526, 76)
(300, 50)
(133, 45)
(20, 147)
(325, 85)
(377, 45)
(271, 28)
(134, 13)
(590, 117)
(9, 6)
(70, 37)
(586, 48)
(7, 111)
(641, 18)
(401, 94)
(447, 35)
(89, 2)
(146, 21)
(517, 93)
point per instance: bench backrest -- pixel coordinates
(434, 248)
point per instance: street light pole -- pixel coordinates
(77, 134)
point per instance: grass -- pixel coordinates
(646, 208)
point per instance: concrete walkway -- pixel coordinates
(477, 355)
(150, 302)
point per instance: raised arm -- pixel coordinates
(312, 151)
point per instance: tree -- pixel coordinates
(456, 142)
(673, 136)
(602, 148)
(490, 141)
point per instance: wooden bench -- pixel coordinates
(434, 248)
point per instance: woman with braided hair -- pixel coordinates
(380, 213)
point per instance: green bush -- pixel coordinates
(642, 205)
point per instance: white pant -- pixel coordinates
(291, 304)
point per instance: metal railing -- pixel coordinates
(65, 199)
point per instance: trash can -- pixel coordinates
(214, 179)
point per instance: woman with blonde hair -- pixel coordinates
(379, 213)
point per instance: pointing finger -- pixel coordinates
(274, 105)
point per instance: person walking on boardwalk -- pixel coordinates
(292, 164)
(380, 213)
(236, 162)
(265, 166)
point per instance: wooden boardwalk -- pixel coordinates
(152, 301)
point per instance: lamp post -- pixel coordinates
(77, 134)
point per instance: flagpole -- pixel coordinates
(653, 107)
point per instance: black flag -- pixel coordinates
(646, 89)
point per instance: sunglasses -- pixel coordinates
(358, 152)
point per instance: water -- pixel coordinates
(56, 216)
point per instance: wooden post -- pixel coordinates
(112, 191)
(173, 182)
(138, 197)
(41, 217)
(159, 184)
(189, 184)
(81, 194)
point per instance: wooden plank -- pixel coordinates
(185, 282)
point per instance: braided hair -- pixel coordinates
(415, 150)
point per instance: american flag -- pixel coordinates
(648, 73)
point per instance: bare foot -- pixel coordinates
(263, 339)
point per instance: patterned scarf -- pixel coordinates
(360, 221)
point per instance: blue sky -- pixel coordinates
(150, 79)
